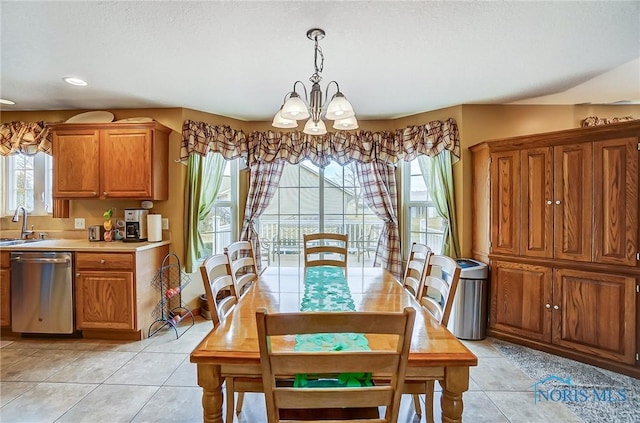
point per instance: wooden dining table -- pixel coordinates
(231, 349)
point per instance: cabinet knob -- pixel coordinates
(555, 307)
(77, 275)
(105, 193)
(557, 201)
(101, 261)
(548, 306)
(95, 194)
(549, 202)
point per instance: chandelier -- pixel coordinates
(294, 108)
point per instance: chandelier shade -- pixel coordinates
(295, 108)
(339, 108)
(346, 124)
(280, 122)
(315, 128)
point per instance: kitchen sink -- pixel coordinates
(4, 242)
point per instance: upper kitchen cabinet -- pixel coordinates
(111, 160)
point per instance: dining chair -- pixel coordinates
(416, 270)
(217, 280)
(440, 284)
(244, 268)
(280, 363)
(325, 249)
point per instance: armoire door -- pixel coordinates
(573, 202)
(616, 201)
(505, 202)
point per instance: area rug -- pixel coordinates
(592, 393)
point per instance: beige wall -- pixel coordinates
(476, 123)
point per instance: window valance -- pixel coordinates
(342, 147)
(24, 137)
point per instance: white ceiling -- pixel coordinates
(391, 58)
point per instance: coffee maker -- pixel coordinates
(135, 223)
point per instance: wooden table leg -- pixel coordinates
(211, 382)
(456, 381)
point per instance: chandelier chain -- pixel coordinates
(316, 77)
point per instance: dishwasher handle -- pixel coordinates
(41, 260)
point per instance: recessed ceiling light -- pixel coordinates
(75, 81)
(3, 101)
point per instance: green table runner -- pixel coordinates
(326, 289)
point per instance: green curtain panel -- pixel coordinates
(438, 176)
(204, 176)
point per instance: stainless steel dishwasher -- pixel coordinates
(42, 292)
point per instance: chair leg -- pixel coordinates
(230, 400)
(239, 403)
(416, 404)
(429, 400)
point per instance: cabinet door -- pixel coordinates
(616, 201)
(126, 166)
(5, 297)
(105, 300)
(505, 202)
(596, 314)
(75, 164)
(573, 202)
(537, 202)
(520, 300)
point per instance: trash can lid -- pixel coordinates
(472, 269)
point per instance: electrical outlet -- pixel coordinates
(79, 223)
(165, 224)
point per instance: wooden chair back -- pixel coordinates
(242, 260)
(216, 277)
(416, 270)
(279, 365)
(325, 249)
(440, 286)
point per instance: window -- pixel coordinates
(28, 181)
(423, 223)
(312, 199)
(217, 228)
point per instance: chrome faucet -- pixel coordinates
(24, 234)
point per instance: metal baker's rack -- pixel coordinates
(170, 311)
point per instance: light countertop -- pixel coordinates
(84, 245)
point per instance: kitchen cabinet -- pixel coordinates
(112, 160)
(114, 296)
(5, 289)
(562, 241)
(593, 313)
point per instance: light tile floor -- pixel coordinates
(78, 380)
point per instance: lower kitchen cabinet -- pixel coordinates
(105, 300)
(583, 312)
(5, 289)
(114, 296)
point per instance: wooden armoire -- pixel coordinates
(556, 217)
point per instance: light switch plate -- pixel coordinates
(165, 224)
(79, 223)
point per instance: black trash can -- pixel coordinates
(468, 318)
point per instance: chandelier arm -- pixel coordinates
(326, 92)
(304, 89)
